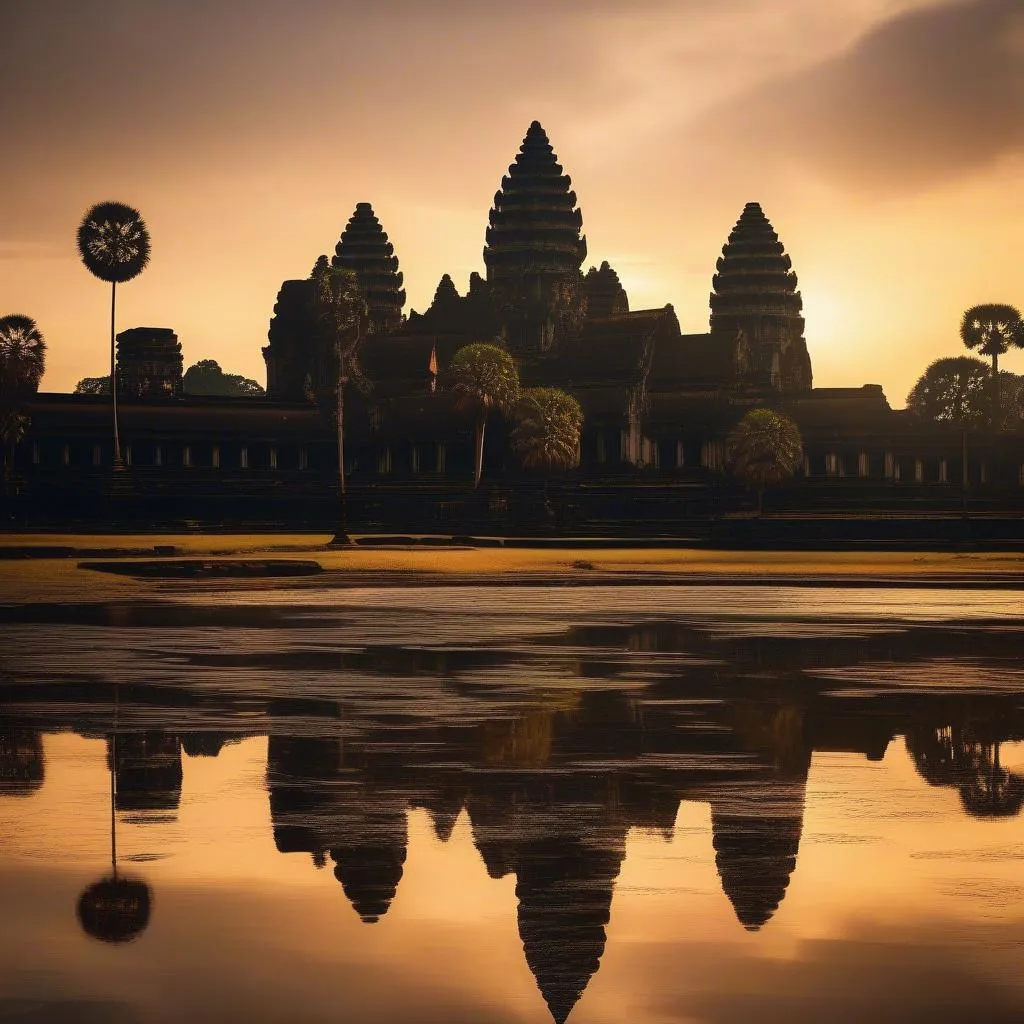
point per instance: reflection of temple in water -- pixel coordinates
(552, 781)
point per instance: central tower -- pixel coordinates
(534, 250)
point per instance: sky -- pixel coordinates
(884, 139)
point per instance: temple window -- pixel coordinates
(680, 453)
(158, 456)
(127, 453)
(384, 461)
(890, 466)
(303, 457)
(624, 446)
(807, 466)
(215, 456)
(440, 456)
(186, 456)
(943, 472)
(273, 456)
(96, 455)
(601, 454)
(918, 471)
(415, 460)
(863, 464)
(833, 465)
(35, 453)
(65, 455)
(243, 457)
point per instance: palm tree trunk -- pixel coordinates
(341, 536)
(113, 375)
(996, 418)
(965, 475)
(478, 466)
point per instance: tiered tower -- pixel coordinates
(149, 363)
(534, 249)
(605, 294)
(365, 249)
(755, 296)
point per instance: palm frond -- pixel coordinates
(22, 354)
(485, 377)
(764, 448)
(546, 435)
(114, 242)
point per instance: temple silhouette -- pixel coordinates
(658, 404)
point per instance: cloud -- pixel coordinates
(926, 97)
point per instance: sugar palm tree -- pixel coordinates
(546, 435)
(993, 329)
(115, 909)
(485, 378)
(763, 450)
(113, 242)
(22, 361)
(342, 321)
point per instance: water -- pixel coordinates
(457, 804)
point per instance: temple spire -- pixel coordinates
(755, 295)
(534, 223)
(605, 294)
(365, 249)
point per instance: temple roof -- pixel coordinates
(210, 416)
(534, 223)
(604, 291)
(693, 360)
(365, 249)
(616, 349)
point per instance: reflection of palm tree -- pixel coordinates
(957, 756)
(113, 242)
(21, 762)
(990, 791)
(115, 909)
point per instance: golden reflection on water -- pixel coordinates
(889, 869)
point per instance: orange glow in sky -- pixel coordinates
(884, 139)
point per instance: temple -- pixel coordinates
(658, 404)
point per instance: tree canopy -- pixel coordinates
(546, 435)
(992, 329)
(484, 377)
(207, 378)
(22, 356)
(764, 449)
(93, 386)
(957, 390)
(113, 242)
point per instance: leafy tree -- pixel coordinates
(93, 386)
(546, 435)
(763, 450)
(485, 378)
(114, 244)
(207, 378)
(957, 390)
(993, 329)
(22, 361)
(341, 317)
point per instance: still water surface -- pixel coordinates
(652, 804)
